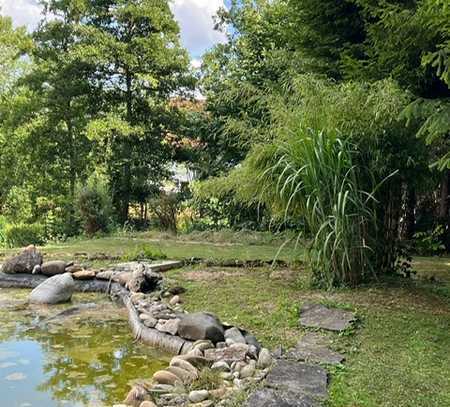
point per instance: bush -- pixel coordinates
(94, 206)
(144, 252)
(19, 235)
(165, 207)
(3, 223)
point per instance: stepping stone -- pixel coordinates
(312, 348)
(318, 316)
(300, 379)
(275, 398)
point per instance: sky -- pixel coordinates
(195, 18)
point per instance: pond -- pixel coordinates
(82, 357)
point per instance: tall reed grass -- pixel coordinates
(315, 177)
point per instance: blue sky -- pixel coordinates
(194, 16)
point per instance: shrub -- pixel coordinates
(3, 223)
(144, 252)
(94, 205)
(19, 235)
(165, 207)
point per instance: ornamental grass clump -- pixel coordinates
(315, 177)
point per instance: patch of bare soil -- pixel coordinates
(208, 275)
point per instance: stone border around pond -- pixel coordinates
(198, 341)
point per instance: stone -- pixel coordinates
(234, 335)
(203, 345)
(23, 262)
(169, 326)
(84, 275)
(264, 359)
(165, 377)
(196, 396)
(36, 269)
(74, 268)
(161, 388)
(148, 404)
(298, 378)
(54, 290)
(136, 396)
(252, 341)
(175, 300)
(196, 361)
(176, 290)
(196, 352)
(234, 353)
(150, 323)
(221, 366)
(106, 275)
(319, 316)
(311, 348)
(183, 364)
(166, 265)
(201, 326)
(186, 376)
(272, 398)
(248, 370)
(53, 268)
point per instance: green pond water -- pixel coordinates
(85, 359)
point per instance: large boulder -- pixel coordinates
(52, 268)
(23, 262)
(201, 325)
(55, 290)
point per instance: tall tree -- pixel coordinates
(140, 65)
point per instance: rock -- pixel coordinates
(186, 376)
(176, 290)
(201, 326)
(136, 396)
(148, 404)
(53, 268)
(248, 370)
(150, 322)
(175, 300)
(196, 361)
(298, 378)
(203, 345)
(312, 348)
(252, 341)
(318, 316)
(274, 398)
(183, 364)
(169, 326)
(264, 359)
(165, 377)
(165, 265)
(54, 290)
(106, 275)
(137, 283)
(84, 275)
(234, 353)
(197, 396)
(221, 366)
(161, 389)
(235, 335)
(74, 268)
(23, 262)
(36, 269)
(196, 352)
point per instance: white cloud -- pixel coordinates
(196, 22)
(194, 16)
(23, 12)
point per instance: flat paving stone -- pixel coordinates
(298, 378)
(319, 316)
(278, 398)
(313, 348)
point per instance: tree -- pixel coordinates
(140, 65)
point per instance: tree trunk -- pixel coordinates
(410, 213)
(444, 213)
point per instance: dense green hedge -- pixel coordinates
(19, 235)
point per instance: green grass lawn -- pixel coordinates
(399, 355)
